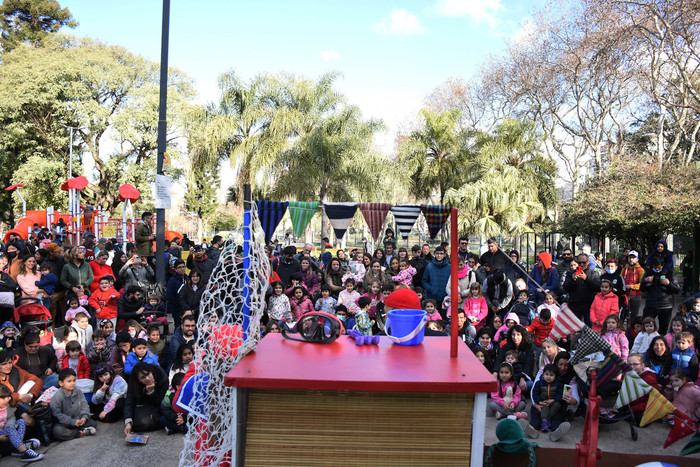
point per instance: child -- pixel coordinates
(692, 319)
(341, 312)
(278, 303)
(511, 320)
(74, 308)
(135, 330)
(326, 303)
(614, 334)
(604, 304)
(362, 322)
(431, 310)
(419, 292)
(70, 410)
(299, 302)
(406, 272)
(183, 358)
(104, 300)
(550, 302)
(289, 322)
(155, 344)
(120, 352)
(154, 310)
(8, 336)
(483, 357)
(139, 353)
(475, 306)
(541, 327)
(108, 395)
(100, 349)
(506, 399)
(69, 334)
(172, 421)
(349, 296)
(546, 396)
(523, 308)
(678, 325)
(83, 328)
(437, 327)
(107, 326)
(684, 357)
(14, 429)
(484, 341)
(47, 283)
(641, 343)
(76, 360)
(684, 394)
(635, 328)
(638, 406)
(375, 296)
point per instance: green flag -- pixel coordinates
(693, 445)
(301, 213)
(633, 387)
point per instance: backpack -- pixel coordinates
(156, 289)
(43, 423)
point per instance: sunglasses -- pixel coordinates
(582, 262)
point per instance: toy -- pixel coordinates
(361, 339)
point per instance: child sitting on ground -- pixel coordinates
(644, 338)
(678, 325)
(692, 319)
(288, 322)
(183, 358)
(546, 395)
(100, 349)
(104, 300)
(83, 328)
(614, 335)
(155, 344)
(362, 322)
(638, 406)
(523, 308)
(684, 357)
(300, 302)
(69, 334)
(506, 400)
(541, 326)
(107, 326)
(109, 395)
(511, 320)
(341, 312)
(484, 341)
(278, 303)
(154, 310)
(483, 357)
(326, 303)
(135, 330)
(375, 296)
(8, 336)
(172, 421)
(139, 353)
(14, 429)
(70, 410)
(47, 283)
(121, 350)
(431, 310)
(74, 308)
(551, 304)
(76, 360)
(349, 296)
(684, 394)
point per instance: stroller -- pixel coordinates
(36, 314)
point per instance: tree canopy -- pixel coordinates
(31, 21)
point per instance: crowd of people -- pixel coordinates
(117, 347)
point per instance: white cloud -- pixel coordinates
(481, 11)
(329, 55)
(399, 22)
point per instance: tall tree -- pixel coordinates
(31, 21)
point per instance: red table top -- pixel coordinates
(284, 364)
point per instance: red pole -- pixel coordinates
(454, 283)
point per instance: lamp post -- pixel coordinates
(162, 127)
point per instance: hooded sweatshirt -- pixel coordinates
(666, 255)
(537, 275)
(503, 330)
(603, 306)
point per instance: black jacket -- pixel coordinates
(497, 260)
(285, 270)
(581, 293)
(204, 265)
(126, 309)
(658, 295)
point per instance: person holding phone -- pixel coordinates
(660, 288)
(137, 272)
(582, 285)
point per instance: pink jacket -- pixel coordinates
(497, 396)
(300, 307)
(602, 307)
(476, 308)
(405, 277)
(618, 343)
(686, 399)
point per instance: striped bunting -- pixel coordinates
(589, 342)
(693, 445)
(633, 387)
(566, 323)
(301, 213)
(340, 215)
(270, 214)
(405, 215)
(613, 365)
(375, 214)
(435, 216)
(657, 407)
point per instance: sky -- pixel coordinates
(390, 55)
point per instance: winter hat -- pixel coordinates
(511, 440)
(546, 259)
(403, 299)
(7, 324)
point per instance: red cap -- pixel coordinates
(403, 299)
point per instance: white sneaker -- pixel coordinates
(89, 431)
(559, 432)
(529, 430)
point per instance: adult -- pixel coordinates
(498, 292)
(7, 292)
(661, 250)
(687, 272)
(54, 258)
(38, 360)
(118, 262)
(199, 260)
(393, 268)
(520, 340)
(309, 277)
(191, 293)
(137, 272)
(186, 333)
(333, 277)
(586, 250)
(425, 253)
(465, 278)
(343, 259)
(28, 275)
(582, 284)
(659, 359)
(550, 349)
(381, 257)
(13, 259)
(306, 251)
(612, 274)
(514, 269)
(76, 275)
(436, 275)
(463, 250)
(660, 289)
(147, 387)
(374, 273)
(129, 306)
(419, 264)
(14, 378)
(545, 275)
(389, 251)
(633, 274)
(144, 237)
(494, 256)
(100, 268)
(214, 249)
(175, 284)
(563, 261)
(623, 258)
(286, 265)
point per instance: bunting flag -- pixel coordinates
(340, 215)
(405, 215)
(682, 427)
(589, 342)
(270, 214)
(693, 445)
(657, 407)
(436, 216)
(375, 214)
(566, 323)
(301, 214)
(613, 365)
(633, 387)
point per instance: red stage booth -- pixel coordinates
(340, 404)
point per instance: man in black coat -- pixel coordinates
(660, 288)
(582, 286)
(494, 257)
(287, 265)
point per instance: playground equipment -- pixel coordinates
(15, 189)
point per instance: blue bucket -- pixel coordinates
(405, 327)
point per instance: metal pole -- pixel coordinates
(247, 237)
(454, 284)
(162, 127)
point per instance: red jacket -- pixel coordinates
(602, 307)
(99, 271)
(103, 302)
(83, 370)
(540, 330)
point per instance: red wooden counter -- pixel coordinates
(342, 404)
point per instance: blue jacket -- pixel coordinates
(132, 360)
(666, 255)
(435, 279)
(551, 284)
(48, 282)
(172, 290)
(685, 360)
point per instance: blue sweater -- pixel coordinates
(435, 279)
(132, 360)
(685, 360)
(48, 282)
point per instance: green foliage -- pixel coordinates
(31, 21)
(41, 176)
(225, 219)
(636, 202)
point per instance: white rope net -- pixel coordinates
(225, 336)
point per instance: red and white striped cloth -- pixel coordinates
(566, 323)
(375, 214)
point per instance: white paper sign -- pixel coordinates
(163, 191)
